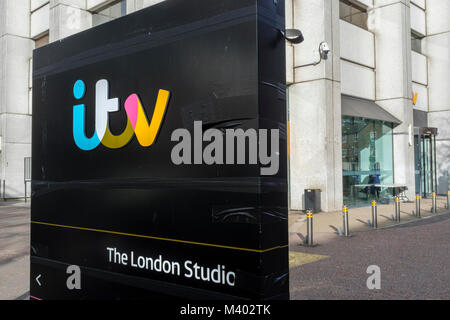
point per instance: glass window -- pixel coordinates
(353, 14)
(112, 11)
(416, 43)
(367, 160)
(42, 41)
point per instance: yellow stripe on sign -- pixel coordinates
(300, 258)
(158, 238)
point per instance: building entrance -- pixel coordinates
(425, 161)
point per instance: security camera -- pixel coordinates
(324, 50)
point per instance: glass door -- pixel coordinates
(426, 167)
(418, 162)
(425, 162)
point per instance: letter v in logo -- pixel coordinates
(145, 133)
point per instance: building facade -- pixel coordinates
(389, 59)
(360, 122)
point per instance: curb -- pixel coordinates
(406, 222)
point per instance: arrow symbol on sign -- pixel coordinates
(37, 280)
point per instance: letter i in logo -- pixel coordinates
(84, 143)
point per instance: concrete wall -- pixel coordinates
(419, 68)
(418, 23)
(420, 3)
(375, 64)
(40, 21)
(315, 106)
(68, 17)
(357, 81)
(357, 45)
(422, 98)
(134, 5)
(437, 49)
(15, 120)
(357, 61)
(364, 3)
(391, 25)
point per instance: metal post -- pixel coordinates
(418, 214)
(435, 163)
(397, 209)
(345, 214)
(309, 237)
(448, 199)
(374, 215)
(25, 177)
(434, 209)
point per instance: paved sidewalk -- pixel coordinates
(413, 255)
(326, 224)
(413, 259)
(14, 250)
(426, 248)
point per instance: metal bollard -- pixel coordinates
(397, 209)
(434, 209)
(345, 217)
(309, 236)
(448, 199)
(374, 215)
(418, 206)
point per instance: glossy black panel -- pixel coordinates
(224, 64)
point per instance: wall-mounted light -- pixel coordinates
(294, 36)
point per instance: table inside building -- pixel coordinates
(397, 190)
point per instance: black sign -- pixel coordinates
(138, 190)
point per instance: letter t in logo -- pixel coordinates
(103, 105)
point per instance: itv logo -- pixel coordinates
(137, 122)
(224, 147)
